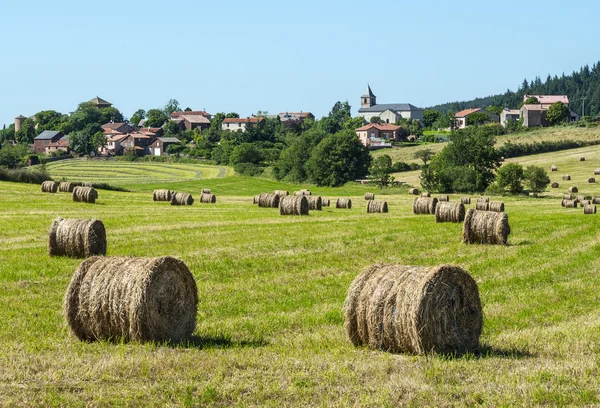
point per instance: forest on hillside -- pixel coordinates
(581, 87)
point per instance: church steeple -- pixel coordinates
(368, 99)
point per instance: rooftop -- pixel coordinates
(99, 101)
(242, 120)
(385, 126)
(382, 107)
(466, 112)
(48, 135)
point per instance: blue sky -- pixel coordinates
(245, 56)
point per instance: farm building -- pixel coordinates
(460, 118)
(234, 124)
(44, 139)
(160, 144)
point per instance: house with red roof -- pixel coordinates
(460, 118)
(379, 135)
(191, 120)
(548, 100)
(235, 124)
(112, 128)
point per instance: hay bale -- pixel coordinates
(182, 199)
(566, 177)
(281, 193)
(426, 194)
(293, 205)
(569, 203)
(553, 168)
(589, 209)
(449, 212)
(76, 238)
(581, 158)
(377, 206)
(413, 191)
(554, 185)
(414, 309)
(325, 202)
(315, 203)
(49, 187)
(66, 187)
(302, 192)
(85, 195)
(568, 196)
(496, 206)
(205, 191)
(591, 180)
(343, 203)
(424, 205)
(573, 190)
(255, 199)
(444, 198)
(267, 200)
(87, 184)
(482, 204)
(465, 200)
(208, 198)
(595, 200)
(596, 172)
(369, 196)
(486, 227)
(131, 299)
(583, 203)
(580, 198)
(162, 195)
(485, 199)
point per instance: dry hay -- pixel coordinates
(444, 198)
(66, 187)
(87, 184)
(377, 206)
(591, 180)
(496, 206)
(281, 193)
(76, 238)
(566, 177)
(580, 198)
(426, 194)
(369, 196)
(49, 187)
(267, 200)
(595, 200)
(343, 203)
(553, 168)
(583, 203)
(465, 200)
(449, 212)
(424, 205)
(315, 203)
(162, 195)
(302, 192)
(486, 199)
(482, 204)
(573, 190)
(414, 309)
(131, 299)
(568, 196)
(208, 198)
(569, 203)
(293, 205)
(589, 209)
(485, 227)
(554, 185)
(255, 199)
(413, 191)
(325, 202)
(596, 172)
(205, 191)
(85, 195)
(182, 199)
(581, 158)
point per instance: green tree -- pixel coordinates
(339, 114)
(430, 116)
(27, 132)
(532, 100)
(232, 115)
(291, 165)
(137, 117)
(444, 121)
(557, 113)
(425, 155)
(172, 106)
(49, 120)
(375, 119)
(509, 177)
(222, 152)
(477, 118)
(12, 156)
(381, 169)
(245, 153)
(88, 140)
(156, 118)
(494, 109)
(353, 123)
(536, 179)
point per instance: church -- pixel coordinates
(388, 112)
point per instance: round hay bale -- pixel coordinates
(182, 199)
(267, 200)
(449, 212)
(591, 180)
(486, 227)
(569, 203)
(424, 205)
(369, 196)
(426, 194)
(596, 172)
(377, 206)
(325, 202)
(554, 185)
(573, 190)
(66, 187)
(567, 196)
(484, 199)
(85, 195)
(305, 192)
(76, 238)
(566, 177)
(414, 309)
(87, 184)
(131, 299)
(281, 193)
(413, 191)
(343, 203)
(208, 198)
(583, 203)
(293, 205)
(444, 198)
(553, 168)
(482, 204)
(465, 200)
(589, 209)
(205, 191)
(496, 206)
(580, 198)
(162, 195)
(315, 203)
(595, 200)
(49, 187)
(255, 199)
(581, 158)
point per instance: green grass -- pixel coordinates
(271, 289)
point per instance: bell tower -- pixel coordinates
(368, 99)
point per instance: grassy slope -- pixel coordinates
(271, 291)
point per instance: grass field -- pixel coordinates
(271, 289)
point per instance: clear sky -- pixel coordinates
(245, 56)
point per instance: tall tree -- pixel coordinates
(172, 106)
(138, 116)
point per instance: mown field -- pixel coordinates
(271, 289)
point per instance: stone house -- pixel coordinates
(534, 115)
(235, 124)
(508, 115)
(160, 144)
(44, 139)
(190, 120)
(389, 112)
(460, 118)
(114, 128)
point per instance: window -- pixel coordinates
(228, 125)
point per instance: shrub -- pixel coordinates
(248, 169)
(28, 175)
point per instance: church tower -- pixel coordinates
(368, 99)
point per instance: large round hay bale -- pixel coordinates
(205, 191)
(496, 206)
(449, 212)
(182, 199)
(589, 209)
(255, 199)
(293, 205)
(554, 185)
(595, 200)
(485, 227)
(208, 198)
(49, 187)
(568, 196)
(424, 205)
(314, 203)
(591, 180)
(444, 197)
(377, 206)
(583, 203)
(87, 184)
(281, 193)
(484, 199)
(413, 191)
(162, 195)
(573, 190)
(302, 192)
(66, 187)
(482, 204)
(580, 198)
(581, 158)
(267, 200)
(131, 299)
(369, 196)
(426, 194)
(325, 202)
(414, 309)
(569, 203)
(566, 177)
(465, 200)
(85, 195)
(553, 168)
(596, 172)
(343, 203)
(76, 238)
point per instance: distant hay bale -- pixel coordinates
(554, 185)
(566, 177)
(496, 206)
(255, 199)
(414, 309)
(325, 202)
(486, 227)
(591, 180)
(580, 198)
(596, 172)
(377, 206)
(302, 192)
(85, 195)
(427, 194)
(49, 187)
(205, 191)
(484, 199)
(267, 200)
(568, 196)
(182, 199)
(595, 200)
(573, 190)
(315, 203)
(553, 168)
(76, 238)
(343, 203)
(208, 198)
(162, 195)
(281, 193)
(424, 205)
(66, 187)
(583, 203)
(293, 205)
(482, 204)
(581, 158)
(465, 200)
(444, 198)
(569, 203)
(449, 212)
(413, 191)
(369, 196)
(87, 184)
(589, 209)
(131, 299)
